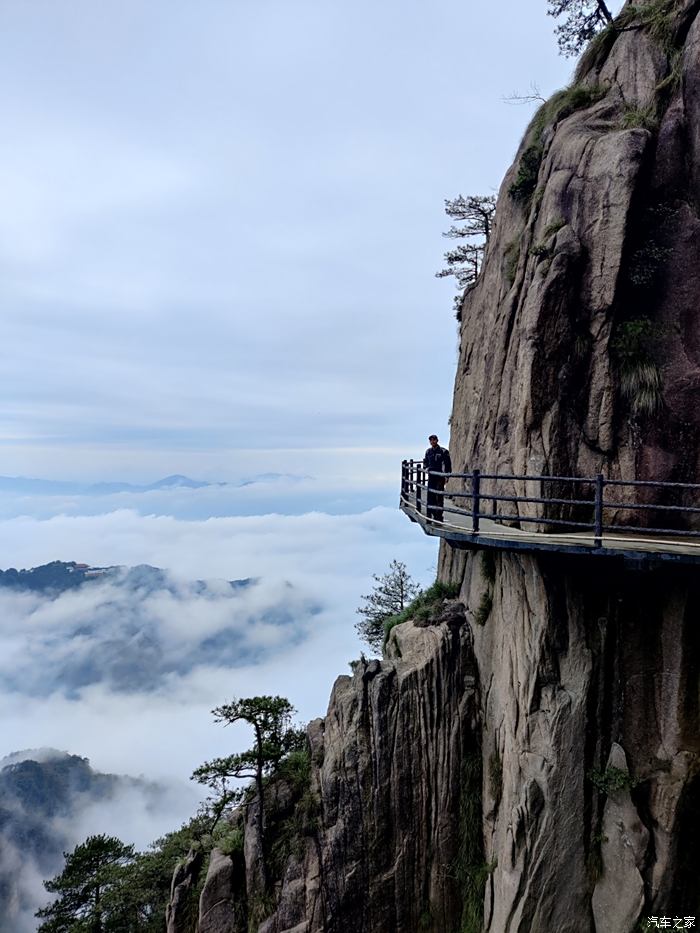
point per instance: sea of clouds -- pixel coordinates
(127, 674)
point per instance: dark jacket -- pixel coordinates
(438, 460)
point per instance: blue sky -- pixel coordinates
(221, 222)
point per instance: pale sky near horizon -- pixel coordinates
(221, 222)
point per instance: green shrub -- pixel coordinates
(512, 258)
(230, 841)
(481, 616)
(488, 565)
(611, 780)
(647, 263)
(675, 72)
(423, 606)
(657, 17)
(594, 863)
(260, 907)
(640, 384)
(296, 768)
(525, 182)
(561, 105)
(288, 835)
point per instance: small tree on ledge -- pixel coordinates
(392, 593)
(476, 212)
(88, 889)
(275, 737)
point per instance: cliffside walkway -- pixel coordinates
(637, 519)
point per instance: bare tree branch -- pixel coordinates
(535, 96)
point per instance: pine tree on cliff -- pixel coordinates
(476, 212)
(270, 717)
(584, 18)
(393, 592)
(86, 889)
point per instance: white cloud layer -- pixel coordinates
(315, 567)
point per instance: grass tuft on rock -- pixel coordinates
(553, 227)
(640, 117)
(481, 616)
(423, 606)
(640, 379)
(488, 565)
(469, 866)
(557, 108)
(511, 258)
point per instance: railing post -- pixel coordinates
(404, 481)
(476, 483)
(598, 515)
(419, 491)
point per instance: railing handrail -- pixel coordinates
(416, 482)
(547, 478)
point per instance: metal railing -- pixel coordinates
(564, 502)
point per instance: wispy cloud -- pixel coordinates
(128, 679)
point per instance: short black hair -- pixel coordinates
(431, 436)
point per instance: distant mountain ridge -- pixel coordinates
(30, 485)
(23, 485)
(59, 576)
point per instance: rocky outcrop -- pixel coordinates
(378, 847)
(217, 905)
(179, 914)
(618, 897)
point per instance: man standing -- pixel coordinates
(436, 461)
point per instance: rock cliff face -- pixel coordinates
(377, 843)
(531, 761)
(596, 236)
(589, 668)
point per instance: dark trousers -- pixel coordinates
(435, 500)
